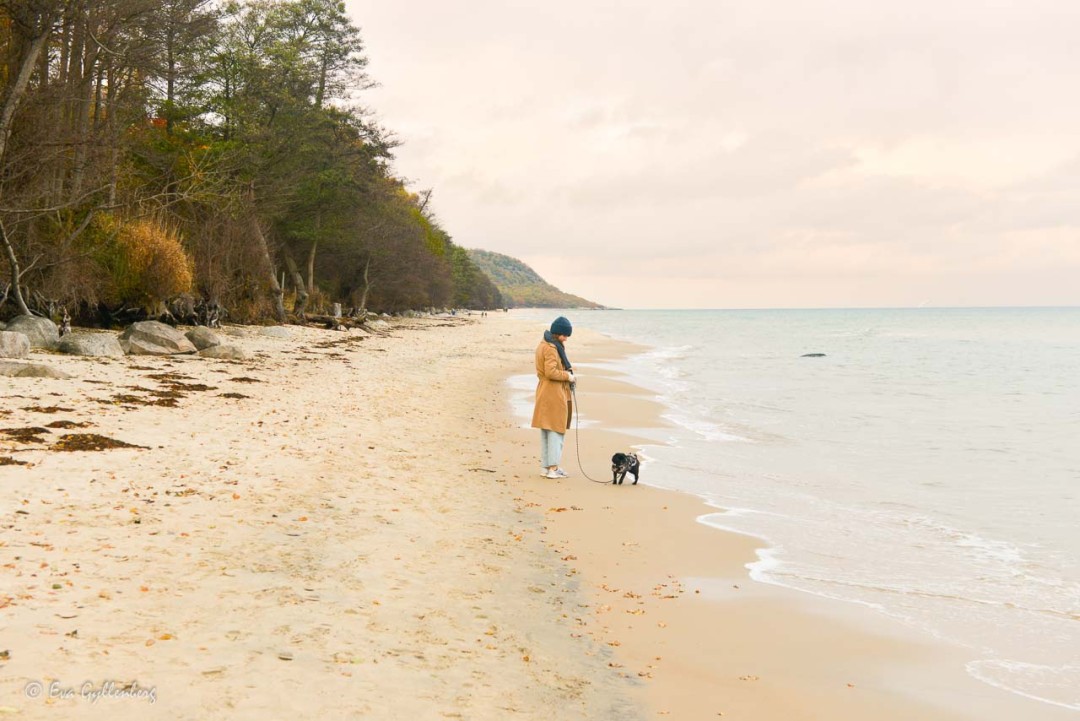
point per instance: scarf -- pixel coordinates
(559, 347)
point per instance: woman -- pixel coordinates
(553, 399)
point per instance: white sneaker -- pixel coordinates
(561, 473)
(552, 474)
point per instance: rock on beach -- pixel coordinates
(202, 337)
(41, 332)
(85, 343)
(13, 369)
(149, 337)
(13, 345)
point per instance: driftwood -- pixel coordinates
(332, 322)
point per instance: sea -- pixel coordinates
(924, 462)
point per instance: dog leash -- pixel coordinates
(577, 436)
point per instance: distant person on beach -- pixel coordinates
(554, 405)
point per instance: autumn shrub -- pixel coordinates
(144, 260)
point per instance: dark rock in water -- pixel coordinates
(812, 355)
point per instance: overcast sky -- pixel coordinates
(747, 153)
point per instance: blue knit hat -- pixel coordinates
(561, 326)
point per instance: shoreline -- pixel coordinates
(363, 533)
(884, 669)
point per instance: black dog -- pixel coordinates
(623, 463)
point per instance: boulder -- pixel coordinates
(3, 325)
(91, 344)
(225, 352)
(41, 332)
(275, 331)
(202, 337)
(13, 345)
(149, 337)
(30, 370)
(378, 324)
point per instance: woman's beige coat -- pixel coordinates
(553, 404)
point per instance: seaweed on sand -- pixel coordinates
(89, 442)
(67, 424)
(29, 434)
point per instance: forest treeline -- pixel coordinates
(214, 152)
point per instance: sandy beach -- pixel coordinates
(354, 526)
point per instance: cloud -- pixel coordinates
(796, 153)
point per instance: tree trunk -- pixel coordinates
(311, 267)
(323, 70)
(18, 88)
(114, 142)
(301, 292)
(275, 287)
(170, 78)
(15, 273)
(84, 100)
(367, 286)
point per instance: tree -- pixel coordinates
(231, 126)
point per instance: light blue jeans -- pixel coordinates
(551, 445)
